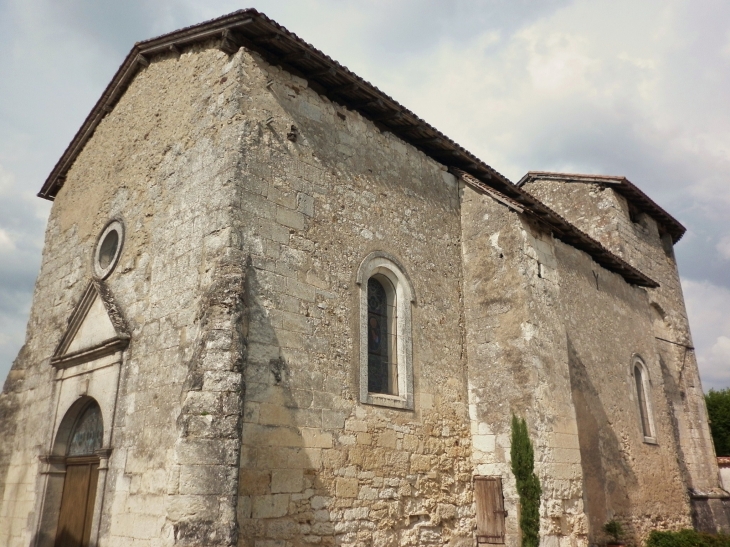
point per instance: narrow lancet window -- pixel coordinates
(381, 337)
(386, 353)
(643, 408)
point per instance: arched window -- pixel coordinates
(386, 294)
(382, 338)
(88, 432)
(641, 384)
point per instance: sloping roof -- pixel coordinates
(255, 31)
(562, 229)
(623, 186)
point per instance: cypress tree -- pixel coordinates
(528, 485)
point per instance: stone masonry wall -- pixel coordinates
(516, 346)
(163, 162)
(551, 335)
(607, 323)
(317, 465)
(604, 214)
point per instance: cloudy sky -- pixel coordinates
(623, 87)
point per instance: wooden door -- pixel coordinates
(490, 509)
(77, 502)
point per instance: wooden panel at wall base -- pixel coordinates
(490, 509)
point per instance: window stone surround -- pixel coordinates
(637, 361)
(383, 263)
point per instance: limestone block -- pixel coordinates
(484, 443)
(322, 515)
(275, 414)
(267, 435)
(356, 425)
(346, 487)
(368, 493)
(421, 463)
(282, 529)
(192, 451)
(566, 455)
(288, 458)
(181, 507)
(305, 204)
(282, 197)
(292, 219)
(563, 440)
(316, 438)
(271, 506)
(300, 290)
(221, 381)
(206, 479)
(243, 508)
(254, 481)
(297, 323)
(287, 481)
(387, 439)
(358, 513)
(320, 502)
(364, 438)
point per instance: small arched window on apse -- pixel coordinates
(642, 387)
(386, 294)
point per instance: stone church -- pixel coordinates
(276, 308)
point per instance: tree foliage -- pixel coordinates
(718, 409)
(528, 485)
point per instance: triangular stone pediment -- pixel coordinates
(95, 329)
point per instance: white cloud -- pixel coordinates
(558, 62)
(6, 243)
(707, 306)
(723, 247)
(7, 181)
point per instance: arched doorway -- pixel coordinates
(82, 472)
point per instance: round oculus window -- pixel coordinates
(108, 249)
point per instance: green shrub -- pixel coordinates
(686, 538)
(614, 529)
(528, 485)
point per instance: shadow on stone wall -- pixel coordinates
(280, 494)
(607, 477)
(675, 399)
